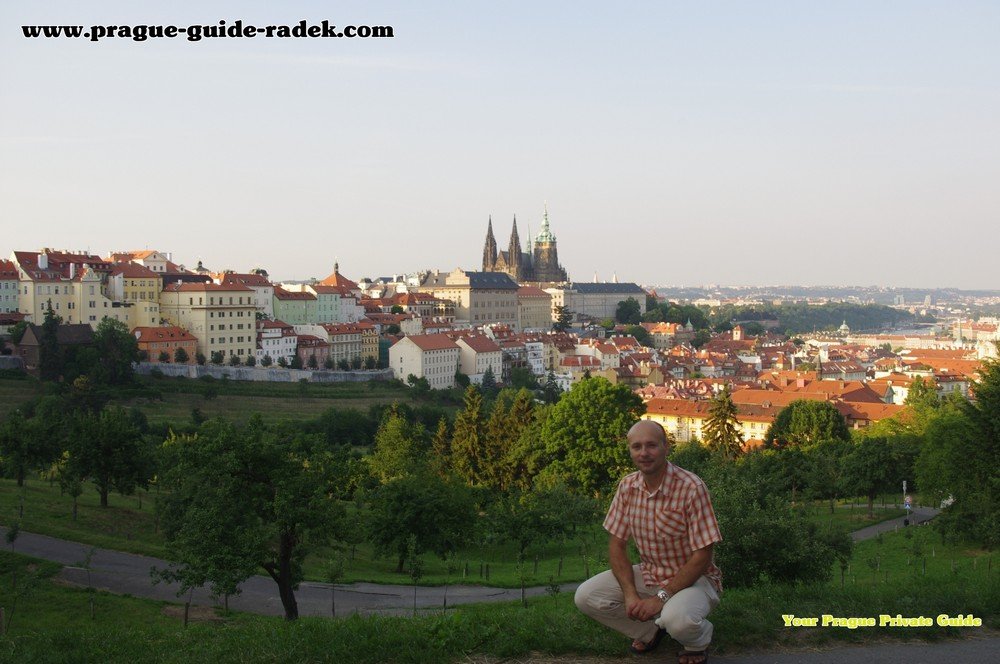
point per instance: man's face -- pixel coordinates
(648, 448)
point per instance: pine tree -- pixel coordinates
(49, 354)
(722, 428)
(466, 441)
(440, 460)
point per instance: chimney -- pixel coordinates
(43, 259)
(72, 270)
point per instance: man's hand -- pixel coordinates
(643, 609)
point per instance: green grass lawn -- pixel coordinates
(15, 393)
(52, 622)
(172, 400)
(129, 524)
(847, 517)
(126, 526)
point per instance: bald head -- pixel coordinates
(646, 428)
(648, 447)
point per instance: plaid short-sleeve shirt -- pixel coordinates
(668, 525)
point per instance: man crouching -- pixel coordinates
(668, 512)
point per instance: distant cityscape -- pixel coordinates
(518, 318)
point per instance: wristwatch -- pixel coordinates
(663, 595)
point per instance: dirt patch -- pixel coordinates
(195, 614)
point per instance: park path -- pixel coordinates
(128, 573)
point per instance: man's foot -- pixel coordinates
(641, 647)
(692, 657)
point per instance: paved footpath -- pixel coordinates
(127, 573)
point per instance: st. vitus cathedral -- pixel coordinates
(538, 262)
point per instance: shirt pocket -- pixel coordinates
(670, 524)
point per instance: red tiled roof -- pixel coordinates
(532, 291)
(200, 287)
(282, 294)
(481, 344)
(427, 342)
(251, 280)
(133, 271)
(170, 332)
(337, 279)
(8, 270)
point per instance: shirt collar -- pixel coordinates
(640, 483)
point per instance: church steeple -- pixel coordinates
(545, 235)
(514, 252)
(489, 248)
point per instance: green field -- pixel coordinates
(15, 393)
(129, 524)
(52, 622)
(168, 401)
(847, 517)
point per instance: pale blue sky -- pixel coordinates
(675, 143)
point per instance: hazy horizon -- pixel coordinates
(718, 142)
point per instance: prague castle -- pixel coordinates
(538, 262)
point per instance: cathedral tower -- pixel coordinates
(546, 257)
(489, 249)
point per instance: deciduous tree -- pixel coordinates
(584, 435)
(803, 422)
(418, 513)
(241, 500)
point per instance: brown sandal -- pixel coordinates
(650, 646)
(692, 657)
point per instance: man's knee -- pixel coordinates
(592, 598)
(678, 624)
(586, 599)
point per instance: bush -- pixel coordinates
(765, 539)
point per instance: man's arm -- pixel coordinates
(689, 572)
(636, 608)
(621, 567)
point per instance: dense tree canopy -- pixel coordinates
(960, 457)
(629, 312)
(418, 513)
(722, 428)
(239, 500)
(803, 422)
(584, 435)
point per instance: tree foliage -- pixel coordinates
(117, 350)
(418, 513)
(400, 448)
(239, 500)
(563, 320)
(869, 469)
(803, 422)
(584, 435)
(629, 312)
(960, 457)
(108, 448)
(722, 431)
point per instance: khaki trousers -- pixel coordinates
(683, 616)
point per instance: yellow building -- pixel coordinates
(534, 309)
(75, 284)
(222, 318)
(138, 289)
(480, 297)
(685, 420)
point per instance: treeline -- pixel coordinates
(799, 317)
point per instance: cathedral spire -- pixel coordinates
(514, 252)
(489, 248)
(545, 235)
